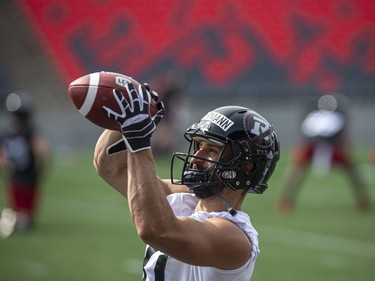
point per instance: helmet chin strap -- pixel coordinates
(230, 209)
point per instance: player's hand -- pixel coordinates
(136, 123)
(120, 145)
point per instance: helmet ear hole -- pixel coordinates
(249, 167)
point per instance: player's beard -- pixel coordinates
(205, 191)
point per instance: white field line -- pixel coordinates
(99, 212)
(35, 268)
(267, 233)
(316, 241)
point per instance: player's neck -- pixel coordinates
(215, 204)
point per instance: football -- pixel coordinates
(91, 92)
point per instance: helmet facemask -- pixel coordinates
(222, 172)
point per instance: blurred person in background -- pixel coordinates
(192, 224)
(24, 156)
(325, 144)
(169, 87)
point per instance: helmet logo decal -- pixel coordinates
(204, 126)
(219, 120)
(259, 127)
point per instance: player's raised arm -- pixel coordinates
(110, 162)
(110, 156)
(112, 168)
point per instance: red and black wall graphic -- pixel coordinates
(268, 47)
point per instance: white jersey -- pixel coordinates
(161, 267)
(323, 123)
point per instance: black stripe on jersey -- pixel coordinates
(149, 252)
(160, 265)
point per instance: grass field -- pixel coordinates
(85, 231)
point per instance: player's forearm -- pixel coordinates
(150, 210)
(112, 168)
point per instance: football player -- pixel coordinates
(192, 224)
(24, 155)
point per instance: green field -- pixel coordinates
(85, 231)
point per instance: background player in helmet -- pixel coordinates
(193, 226)
(325, 144)
(23, 159)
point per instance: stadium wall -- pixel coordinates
(40, 54)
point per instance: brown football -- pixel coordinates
(91, 92)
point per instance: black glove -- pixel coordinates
(120, 145)
(116, 147)
(136, 123)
